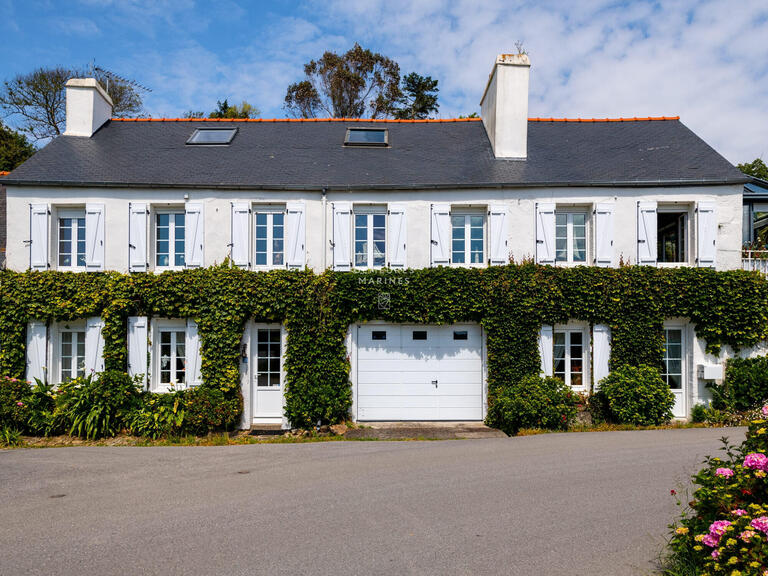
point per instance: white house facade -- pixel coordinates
(152, 195)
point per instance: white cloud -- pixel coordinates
(77, 26)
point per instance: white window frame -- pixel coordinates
(688, 237)
(270, 210)
(679, 326)
(158, 327)
(171, 211)
(569, 238)
(61, 328)
(467, 213)
(369, 212)
(568, 330)
(73, 213)
(281, 372)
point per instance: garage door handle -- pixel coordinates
(435, 383)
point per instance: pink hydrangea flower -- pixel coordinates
(726, 472)
(19, 403)
(710, 540)
(715, 554)
(764, 410)
(756, 461)
(761, 524)
(738, 512)
(746, 535)
(718, 527)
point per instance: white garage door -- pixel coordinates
(419, 372)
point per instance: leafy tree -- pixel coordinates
(224, 110)
(756, 168)
(419, 98)
(193, 114)
(14, 148)
(37, 99)
(352, 85)
(473, 115)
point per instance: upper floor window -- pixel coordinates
(571, 237)
(370, 239)
(71, 239)
(672, 235)
(269, 236)
(467, 238)
(367, 137)
(169, 239)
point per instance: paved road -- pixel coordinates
(594, 503)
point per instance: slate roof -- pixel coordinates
(434, 154)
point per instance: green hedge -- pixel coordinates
(745, 386)
(510, 302)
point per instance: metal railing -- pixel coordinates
(755, 260)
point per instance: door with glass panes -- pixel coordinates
(267, 348)
(674, 368)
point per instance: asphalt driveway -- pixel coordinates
(592, 503)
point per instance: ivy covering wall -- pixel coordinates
(510, 302)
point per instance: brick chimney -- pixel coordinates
(88, 107)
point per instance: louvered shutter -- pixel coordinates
(545, 233)
(241, 224)
(94, 345)
(192, 350)
(706, 234)
(296, 232)
(441, 235)
(138, 347)
(193, 239)
(94, 237)
(601, 354)
(37, 351)
(546, 350)
(342, 233)
(604, 234)
(646, 233)
(137, 237)
(397, 236)
(39, 226)
(499, 231)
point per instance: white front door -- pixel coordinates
(267, 347)
(674, 373)
(419, 372)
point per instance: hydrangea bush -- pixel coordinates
(724, 531)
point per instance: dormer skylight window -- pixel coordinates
(212, 136)
(367, 137)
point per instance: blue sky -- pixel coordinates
(704, 61)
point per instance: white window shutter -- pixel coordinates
(706, 234)
(39, 226)
(604, 234)
(396, 236)
(545, 233)
(342, 236)
(646, 233)
(94, 345)
(137, 237)
(441, 235)
(37, 351)
(94, 237)
(193, 239)
(499, 231)
(138, 347)
(601, 352)
(241, 225)
(546, 350)
(192, 350)
(295, 233)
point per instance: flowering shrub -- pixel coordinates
(13, 410)
(725, 529)
(637, 395)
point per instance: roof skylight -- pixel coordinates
(212, 136)
(367, 137)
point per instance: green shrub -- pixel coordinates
(208, 409)
(597, 404)
(158, 415)
(534, 402)
(699, 413)
(13, 393)
(745, 386)
(95, 406)
(10, 436)
(41, 407)
(637, 395)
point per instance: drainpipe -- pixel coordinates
(325, 231)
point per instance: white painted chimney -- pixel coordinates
(88, 107)
(504, 106)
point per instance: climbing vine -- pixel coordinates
(510, 302)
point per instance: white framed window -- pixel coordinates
(170, 351)
(268, 357)
(71, 239)
(269, 236)
(571, 237)
(467, 238)
(673, 234)
(570, 347)
(673, 357)
(71, 351)
(170, 234)
(370, 237)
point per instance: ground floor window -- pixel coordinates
(71, 354)
(268, 357)
(172, 357)
(673, 358)
(569, 356)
